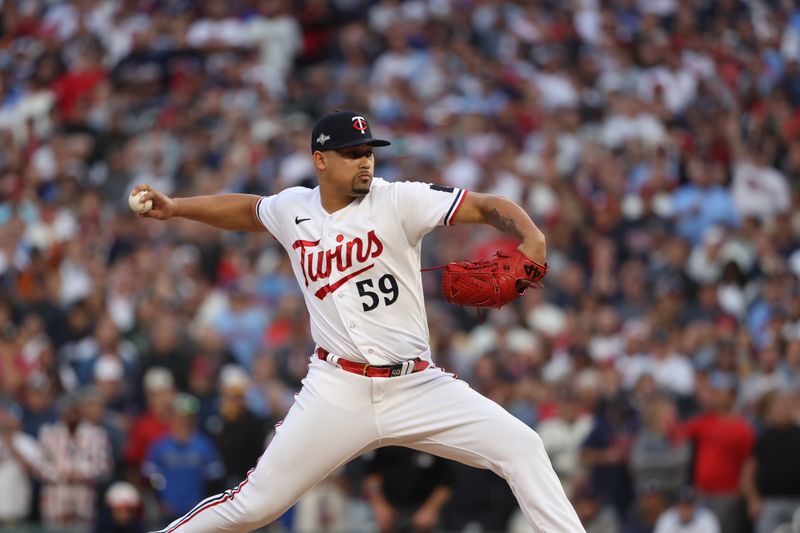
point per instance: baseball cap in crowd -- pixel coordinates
(233, 378)
(158, 379)
(342, 129)
(186, 404)
(122, 494)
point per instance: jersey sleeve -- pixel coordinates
(267, 209)
(423, 206)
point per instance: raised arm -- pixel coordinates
(507, 217)
(235, 212)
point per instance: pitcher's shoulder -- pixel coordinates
(379, 184)
(299, 192)
(380, 190)
(297, 195)
(382, 186)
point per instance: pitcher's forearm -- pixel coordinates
(235, 212)
(510, 218)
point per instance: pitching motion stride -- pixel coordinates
(354, 243)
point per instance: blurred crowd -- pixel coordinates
(655, 142)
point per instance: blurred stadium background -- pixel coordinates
(656, 142)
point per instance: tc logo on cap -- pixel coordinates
(360, 123)
(341, 129)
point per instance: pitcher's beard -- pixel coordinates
(359, 188)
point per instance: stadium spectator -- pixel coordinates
(650, 503)
(115, 396)
(687, 516)
(202, 384)
(76, 458)
(595, 517)
(659, 453)
(771, 478)
(563, 435)
(268, 396)
(154, 422)
(242, 324)
(121, 510)
(239, 436)
(723, 440)
(767, 377)
(407, 489)
(326, 507)
(20, 456)
(183, 465)
(166, 349)
(38, 408)
(606, 452)
(93, 410)
(106, 342)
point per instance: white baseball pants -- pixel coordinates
(338, 416)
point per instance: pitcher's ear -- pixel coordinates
(320, 160)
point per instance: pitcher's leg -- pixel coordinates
(454, 421)
(327, 425)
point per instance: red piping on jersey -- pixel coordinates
(228, 495)
(460, 203)
(325, 290)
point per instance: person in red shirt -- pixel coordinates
(153, 424)
(75, 89)
(723, 441)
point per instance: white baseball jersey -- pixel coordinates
(359, 267)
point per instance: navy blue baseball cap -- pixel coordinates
(342, 129)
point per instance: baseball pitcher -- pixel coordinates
(354, 243)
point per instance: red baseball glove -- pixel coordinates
(492, 283)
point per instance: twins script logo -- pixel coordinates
(319, 265)
(360, 123)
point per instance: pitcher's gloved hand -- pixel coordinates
(492, 283)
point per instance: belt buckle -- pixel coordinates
(366, 367)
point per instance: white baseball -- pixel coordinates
(136, 203)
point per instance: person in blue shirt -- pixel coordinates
(703, 202)
(181, 465)
(242, 324)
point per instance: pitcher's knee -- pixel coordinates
(535, 441)
(520, 444)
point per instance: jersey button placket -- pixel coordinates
(329, 241)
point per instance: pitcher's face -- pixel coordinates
(347, 171)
